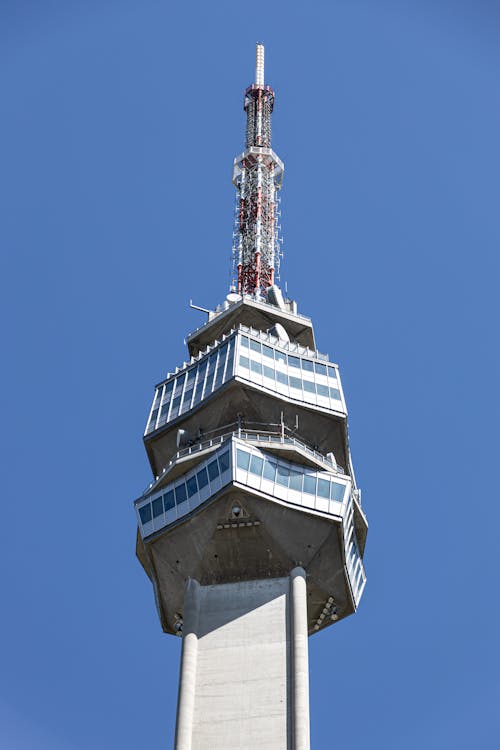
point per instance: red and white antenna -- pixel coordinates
(257, 177)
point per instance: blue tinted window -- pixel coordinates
(280, 357)
(242, 459)
(337, 492)
(307, 365)
(309, 386)
(213, 470)
(335, 393)
(282, 475)
(192, 487)
(309, 484)
(267, 351)
(202, 478)
(212, 360)
(157, 507)
(295, 383)
(145, 513)
(244, 342)
(322, 390)
(268, 372)
(332, 372)
(154, 414)
(224, 461)
(256, 464)
(254, 346)
(164, 409)
(269, 470)
(295, 480)
(281, 377)
(244, 362)
(175, 407)
(256, 367)
(180, 493)
(168, 500)
(293, 361)
(323, 488)
(320, 369)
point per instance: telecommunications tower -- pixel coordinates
(252, 530)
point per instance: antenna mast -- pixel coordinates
(257, 177)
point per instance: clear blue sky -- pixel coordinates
(119, 124)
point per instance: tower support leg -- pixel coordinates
(244, 668)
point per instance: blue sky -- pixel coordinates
(119, 124)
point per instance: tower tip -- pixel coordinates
(259, 65)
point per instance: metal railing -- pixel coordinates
(281, 436)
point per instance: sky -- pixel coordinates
(119, 125)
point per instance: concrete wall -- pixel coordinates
(244, 671)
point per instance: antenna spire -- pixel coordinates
(257, 177)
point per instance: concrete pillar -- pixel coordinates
(300, 660)
(189, 659)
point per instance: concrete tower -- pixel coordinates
(252, 532)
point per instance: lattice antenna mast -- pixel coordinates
(257, 177)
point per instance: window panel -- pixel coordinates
(256, 464)
(242, 459)
(213, 470)
(244, 362)
(293, 361)
(332, 372)
(202, 478)
(307, 365)
(310, 484)
(157, 507)
(268, 372)
(269, 469)
(180, 493)
(295, 383)
(280, 357)
(282, 377)
(320, 369)
(322, 390)
(335, 393)
(145, 513)
(255, 346)
(282, 475)
(267, 351)
(256, 367)
(296, 480)
(337, 491)
(169, 500)
(309, 386)
(192, 487)
(244, 342)
(224, 462)
(323, 488)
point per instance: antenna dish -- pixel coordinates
(233, 297)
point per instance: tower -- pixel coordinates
(252, 530)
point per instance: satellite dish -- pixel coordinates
(278, 331)
(232, 297)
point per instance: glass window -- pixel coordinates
(242, 459)
(180, 493)
(269, 469)
(337, 492)
(281, 377)
(268, 372)
(244, 362)
(244, 342)
(323, 488)
(256, 367)
(280, 357)
(168, 500)
(212, 360)
(164, 409)
(307, 365)
(332, 372)
(282, 475)
(309, 386)
(310, 484)
(254, 346)
(296, 480)
(267, 351)
(213, 470)
(224, 462)
(293, 361)
(192, 487)
(202, 478)
(157, 507)
(152, 421)
(175, 407)
(295, 383)
(335, 393)
(320, 369)
(256, 464)
(145, 513)
(322, 390)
